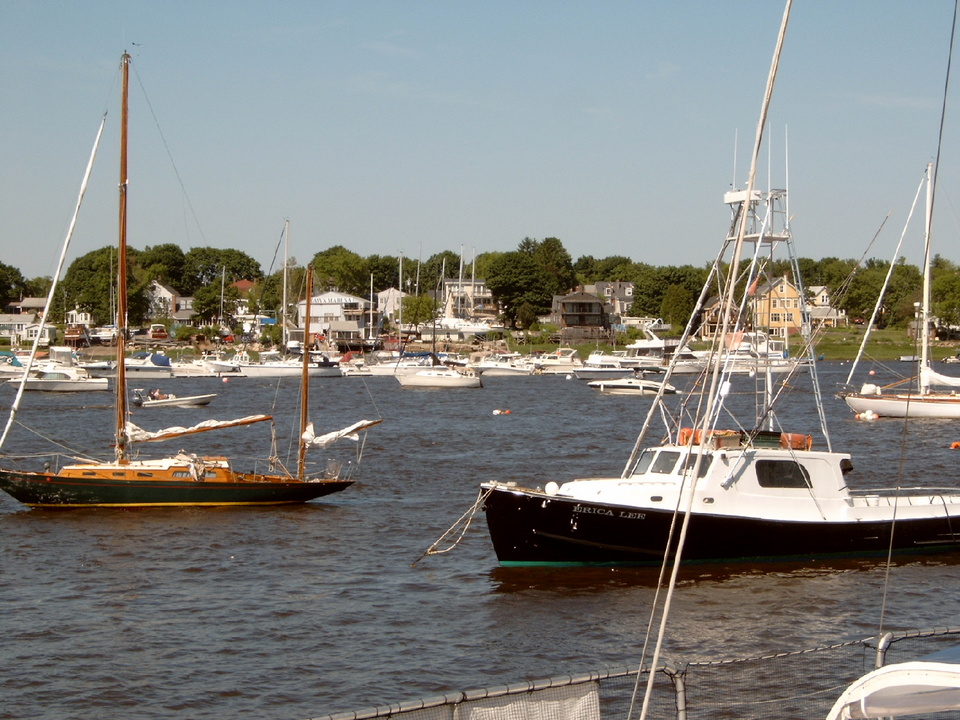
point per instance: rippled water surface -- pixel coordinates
(297, 612)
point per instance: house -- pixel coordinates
(776, 307)
(822, 312)
(165, 302)
(581, 316)
(30, 306)
(618, 294)
(341, 317)
(468, 299)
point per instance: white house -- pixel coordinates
(337, 314)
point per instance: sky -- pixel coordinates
(417, 126)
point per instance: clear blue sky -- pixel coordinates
(418, 126)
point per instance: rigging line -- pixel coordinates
(166, 147)
(276, 252)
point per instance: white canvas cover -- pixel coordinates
(929, 376)
(351, 433)
(901, 690)
(138, 434)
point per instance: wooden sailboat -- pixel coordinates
(183, 479)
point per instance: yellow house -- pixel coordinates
(776, 307)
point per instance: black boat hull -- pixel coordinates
(50, 491)
(532, 528)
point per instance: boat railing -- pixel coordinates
(903, 496)
(802, 683)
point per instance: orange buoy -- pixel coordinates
(955, 446)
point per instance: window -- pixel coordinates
(774, 303)
(643, 464)
(691, 460)
(781, 474)
(665, 462)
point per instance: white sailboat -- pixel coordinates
(921, 401)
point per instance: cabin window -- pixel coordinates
(210, 474)
(691, 460)
(144, 474)
(181, 474)
(665, 462)
(89, 473)
(643, 464)
(782, 474)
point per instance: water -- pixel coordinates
(286, 613)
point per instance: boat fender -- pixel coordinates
(867, 415)
(955, 446)
(551, 488)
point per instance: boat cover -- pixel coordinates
(929, 685)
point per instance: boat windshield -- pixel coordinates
(665, 463)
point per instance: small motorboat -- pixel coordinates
(635, 385)
(156, 398)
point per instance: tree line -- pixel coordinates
(523, 281)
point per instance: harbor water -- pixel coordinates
(294, 612)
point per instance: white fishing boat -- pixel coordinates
(721, 483)
(157, 398)
(440, 377)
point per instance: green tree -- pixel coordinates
(516, 278)
(557, 263)
(339, 268)
(206, 265)
(419, 309)
(89, 284)
(165, 263)
(12, 285)
(677, 306)
(208, 305)
(443, 265)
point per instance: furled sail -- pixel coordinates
(137, 434)
(929, 376)
(351, 433)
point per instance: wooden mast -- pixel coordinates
(305, 378)
(121, 444)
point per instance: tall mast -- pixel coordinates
(121, 437)
(305, 377)
(925, 301)
(283, 310)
